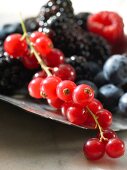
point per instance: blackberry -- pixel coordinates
(85, 70)
(54, 8)
(81, 19)
(13, 75)
(31, 24)
(73, 40)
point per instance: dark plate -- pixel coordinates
(39, 107)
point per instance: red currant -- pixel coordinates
(56, 103)
(115, 148)
(75, 114)
(41, 74)
(83, 94)
(54, 58)
(65, 89)
(43, 45)
(65, 106)
(15, 46)
(104, 118)
(94, 149)
(65, 72)
(35, 35)
(48, 86)
(95, 105)
(34, 88)
(30, 61)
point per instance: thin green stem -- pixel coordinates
(98, 125)
(39, 59)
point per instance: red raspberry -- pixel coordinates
(107, 24)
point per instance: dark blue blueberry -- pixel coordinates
(94, 87)
(109, 95)
(100, 79)
(123, 104)
(115, 69)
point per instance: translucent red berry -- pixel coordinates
(41, 74)
(54, 58)
(94, 149)
(95, 105)
(65, 89)
(48, 86)
(65, 106)
(65, 72)
(56, 103)
(115, 148)
(15, 46)
(83, 94)
(35, 35)
(34, 88)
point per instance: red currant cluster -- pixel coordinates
(77, 103)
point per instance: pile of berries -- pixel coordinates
(71, 63)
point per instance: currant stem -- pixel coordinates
(97, 123)
(39, 59)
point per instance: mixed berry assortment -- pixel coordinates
(73, 63)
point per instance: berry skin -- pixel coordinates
(110, 93)
(56, 103)
(48, 87)
(15, 46)
(65, 106)
(43, 45)
(65, 72)
(123, 104)
(107, 24)
(107, 133)
(54, 58)
(115, 148)
(35, 35)
(65, 89)
(115, 69)
(75, 114)
(40, 74)
(94, 149)
(30, 61)
(34, 88)
(100, 79)
(104, 118)
(83, 94)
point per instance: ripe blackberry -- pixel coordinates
(81, 19)
(54, 8)
(13, 75)
(85, 70)
(72, 40)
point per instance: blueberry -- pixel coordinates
(94, 87)
(115, 69)
(123, 104)
(109, 95)
(100, 79)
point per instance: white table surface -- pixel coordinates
(28, 142)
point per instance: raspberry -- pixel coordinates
(107, 24)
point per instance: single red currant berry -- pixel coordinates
(34, 88)
(54, 58)
(75, 114)
(115, 148)
(48, 86)
(65, 106)
(83, 94)
(65, 72)
(56, 103)
(104, 118)
(43, 45)
(30, 61)
(65, 89)
(107, 133)
(15, 46)
(41, 74)
(95, 105)
(35, 35)
(94, 149)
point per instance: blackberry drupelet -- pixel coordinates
(85, 70)
(73, 40)
(54, 8)
(81, 19)
(13, 75)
